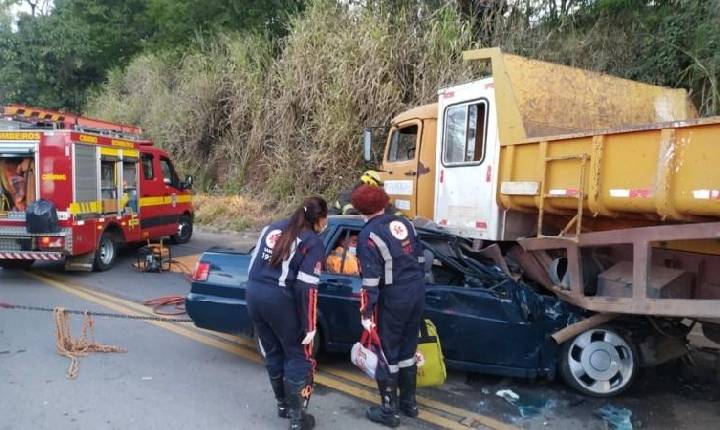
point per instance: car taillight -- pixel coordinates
(51, 242)
(201, 272)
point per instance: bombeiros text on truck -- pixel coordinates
(74, 188)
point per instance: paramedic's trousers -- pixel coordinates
(274, 313)
(400, 310)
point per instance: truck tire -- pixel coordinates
(599, 362)
(16, 264)
(185, 231)
(106, 252)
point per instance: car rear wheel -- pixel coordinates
(106, 252)
(185, 230)
(599, 362)
(16, 264)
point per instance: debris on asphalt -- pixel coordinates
(528, 406)
(147, 378)
(618, 418)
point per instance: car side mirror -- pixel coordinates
(367, 145)
(188, 181)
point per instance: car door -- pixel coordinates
(339, 298)
(485, 326)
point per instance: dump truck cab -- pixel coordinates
(408, 171)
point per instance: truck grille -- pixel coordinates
(10, 244)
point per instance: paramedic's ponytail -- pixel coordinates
(304, 217)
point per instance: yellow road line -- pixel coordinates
(239, 346)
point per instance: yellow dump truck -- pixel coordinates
(611, 186)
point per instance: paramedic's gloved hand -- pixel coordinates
(367, 324)
(309, 338)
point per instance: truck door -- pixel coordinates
(153, 213)
(401, 165)
(465, 196)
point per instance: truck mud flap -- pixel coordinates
(80, 263)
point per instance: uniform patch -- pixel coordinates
(272, 238)
(398, 230)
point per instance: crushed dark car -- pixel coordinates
(488, 321)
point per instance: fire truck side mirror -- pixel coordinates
(188, 182)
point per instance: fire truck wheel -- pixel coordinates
(106, 253)
(185, 230)
(16, 264)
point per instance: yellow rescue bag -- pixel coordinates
(431, 362)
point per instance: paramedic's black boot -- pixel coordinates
(407, 384)
(387, 413)
(278, 387)
(299, 420)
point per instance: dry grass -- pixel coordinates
(286, 125)
(284, 121)
(239, 212)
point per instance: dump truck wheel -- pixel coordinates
(106, 252)
(599, 362)
(16, 264)
(185, 231)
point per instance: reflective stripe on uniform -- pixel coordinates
(308, 279)
(407, 363)
(257, 247)
(385, 252)
(286, 263)
(370, 282)
(421, 260)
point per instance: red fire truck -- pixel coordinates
(108, 187)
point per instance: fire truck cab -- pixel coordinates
(108, 187)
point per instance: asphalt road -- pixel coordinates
(177, 376)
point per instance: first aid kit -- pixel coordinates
(367, 354)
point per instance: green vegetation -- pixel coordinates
(269, 98)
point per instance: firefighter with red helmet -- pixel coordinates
(282, 302)
(393, 297)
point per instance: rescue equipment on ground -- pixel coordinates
(154, 258)
(42, 217)
(367, 354)
(76, 348)
(431, 365)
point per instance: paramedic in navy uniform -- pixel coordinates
(393, 295)
(282, 302)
